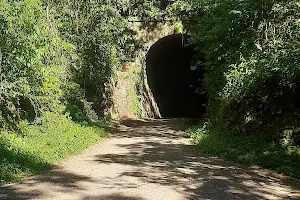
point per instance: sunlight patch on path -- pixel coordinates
(151, 160)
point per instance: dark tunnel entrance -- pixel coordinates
(174, 82)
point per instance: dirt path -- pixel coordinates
(150, 161)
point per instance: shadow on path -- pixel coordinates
(168, 160)
(148, 157)
(64, 181)
(113, 197)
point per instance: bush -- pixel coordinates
(51, 139)
(32, 60)
(252, 56)
(102, 40)
(250, 150)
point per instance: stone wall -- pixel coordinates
(131, 85)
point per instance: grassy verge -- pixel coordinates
(39, 146)
(249, 150)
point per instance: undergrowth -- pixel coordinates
(38, 146)
(248, 149)
(134, 74)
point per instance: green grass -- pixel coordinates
(39, 146)
(250, 150)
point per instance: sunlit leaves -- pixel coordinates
(265, 34)
(31, 48)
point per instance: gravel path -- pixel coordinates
(150, 160)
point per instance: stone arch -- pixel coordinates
(172, 79)
(146, 35)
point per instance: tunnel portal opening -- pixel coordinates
(175, 83)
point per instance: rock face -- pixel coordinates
(132, 96)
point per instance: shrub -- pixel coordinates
(48, 141)
(251, 53)
(33, 61)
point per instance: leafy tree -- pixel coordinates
(102, 39)
(32, 60)
(252, 58)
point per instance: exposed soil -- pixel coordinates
(151, 160)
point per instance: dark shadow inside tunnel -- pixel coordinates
(175, 83)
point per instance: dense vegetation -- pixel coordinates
(56, 57)
(252, 63)
(58, 60)
(55, 138)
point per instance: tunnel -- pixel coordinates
(175, 83)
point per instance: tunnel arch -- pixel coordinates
(172, 79)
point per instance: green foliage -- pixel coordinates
(249, 149)
(270, 76)
(149, 10)
(251, 50)
(135, 73)
(53, 52)
(251, 53)
(48, 141)
(56, 57)
(160, 10)
(101, 37)
(60, 57)
(32, 60)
